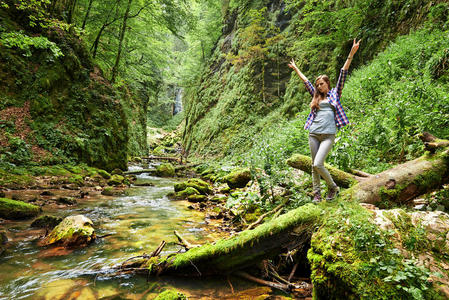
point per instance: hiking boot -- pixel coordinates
(317, 197)
(332, 193)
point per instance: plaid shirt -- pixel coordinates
(334, 96)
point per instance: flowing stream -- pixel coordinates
(138, 222)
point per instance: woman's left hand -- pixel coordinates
(355, 46)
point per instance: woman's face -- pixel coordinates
(322, 86)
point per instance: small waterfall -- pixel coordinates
(177, 107)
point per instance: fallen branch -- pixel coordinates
(280, 206)
(279, 286)
(360, 173)
(292, 272)
(184, 242)
(158, 249)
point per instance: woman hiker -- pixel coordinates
(325, 117)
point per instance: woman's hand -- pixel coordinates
(292, 64)
(355, 47)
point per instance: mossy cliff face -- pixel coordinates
(60, 108)
(248, 88)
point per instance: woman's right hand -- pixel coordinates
(292, 64)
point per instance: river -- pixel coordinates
(137, 222)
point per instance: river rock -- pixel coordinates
(170, 295)
(12, 209)
(189, 191)
(165, 170)
(238, 178)
(46, 222)
(67, 200)
(110, 191)
(104, 174)
(116, 179)
(197, 198)
(72, 231)
(200, 185)
(2, 194)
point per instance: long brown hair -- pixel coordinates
(318, 96)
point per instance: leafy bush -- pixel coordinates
(25, 43)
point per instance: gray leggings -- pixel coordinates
(320, 146)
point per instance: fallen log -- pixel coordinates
(341, 178)
(153, 171)
(396, 185)
(177, 159)
(289, 231)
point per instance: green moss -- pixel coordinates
(197, 198)
(12, 209)
(116, 180)
(187, 192)
(170, 295)
(198, 184)
(104, 174)
(165, 170)
(238, 178)
(351, 258)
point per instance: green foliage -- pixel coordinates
(25, 43)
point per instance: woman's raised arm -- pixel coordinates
(355, 47)
(309, 86)
(294, 67)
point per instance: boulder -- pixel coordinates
(66, 200)
(238, 178)
(197, 198)
(46, 222)
(187, 192)
(165, 170)
(116, 179)
(116, 172)
(104, 174)
(12, 209)
(110, 191)
(170, 295)
(73, 231)
(200, 185)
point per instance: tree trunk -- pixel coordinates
(86, 16)
(120, 45)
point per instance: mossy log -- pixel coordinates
(341, 178)
(396, 185)
(292, 230)
(403, 182)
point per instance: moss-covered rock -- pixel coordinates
(380, 254)
(12, 209)
(197, 198)
(110, 191)
(72, 231)
(3, 237)
(116, 180)
(170, 295)
(187, 192)
(104, 174)
(66, 200)
(238, 178)
(165, 170)
(200, 185)
(46, 222)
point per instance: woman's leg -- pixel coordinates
(314, 145)
(327, 140)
